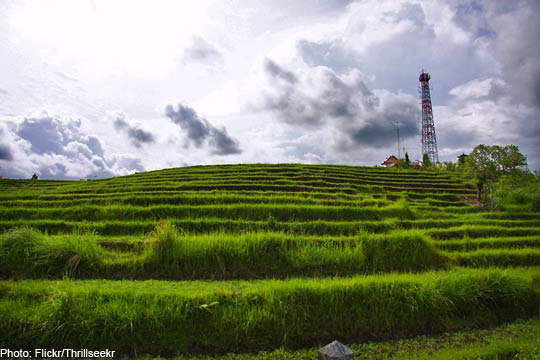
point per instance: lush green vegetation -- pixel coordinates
(519, 192)
(487, 164)
(166, 253)
(516, 341)
(163, 318)
(208, 260)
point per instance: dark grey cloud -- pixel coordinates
(518, 50)
(326, 96)
(120, 123)
(381, 130)
(276, 71)
(199, 131)
(202, 51)
(140, 136)
(536, 91)
(452, 137)
(197, 128)
(221, 143)
(137, 136)
(320, 98)
(5, 153)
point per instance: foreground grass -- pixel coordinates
(169, 254)
(517, 341)
(168, 318)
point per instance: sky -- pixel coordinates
(99, 88)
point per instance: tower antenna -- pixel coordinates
(398, 143)
(429, 140)
(403, 148)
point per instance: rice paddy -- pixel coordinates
(204, 261)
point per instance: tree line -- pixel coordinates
(500, 173)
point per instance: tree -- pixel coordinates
(461, 159)
(407, 160)
(488, 163)
(426, 162)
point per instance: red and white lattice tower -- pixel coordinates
(429, 140)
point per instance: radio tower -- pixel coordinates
(429, 140)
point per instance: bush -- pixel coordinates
(520, 192)
(25, 252)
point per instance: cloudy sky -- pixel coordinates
(95, 88)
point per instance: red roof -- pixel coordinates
(391, 160)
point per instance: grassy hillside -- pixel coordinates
(246, 258)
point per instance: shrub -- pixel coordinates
(25, 252)
(518, 192)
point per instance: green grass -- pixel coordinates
(184, 195)
(467, 244)
(240, 211)
(271, 258)
(498, 257)
(167, 253)
(188, 199)
(205, 226)
(516, 341)
(171, 318)
(263, 255)
(524, 196)
(446, 230)
(26, 253)
(482, 231)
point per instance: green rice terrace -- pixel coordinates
(268, 262)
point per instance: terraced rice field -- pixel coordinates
(248, 258)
